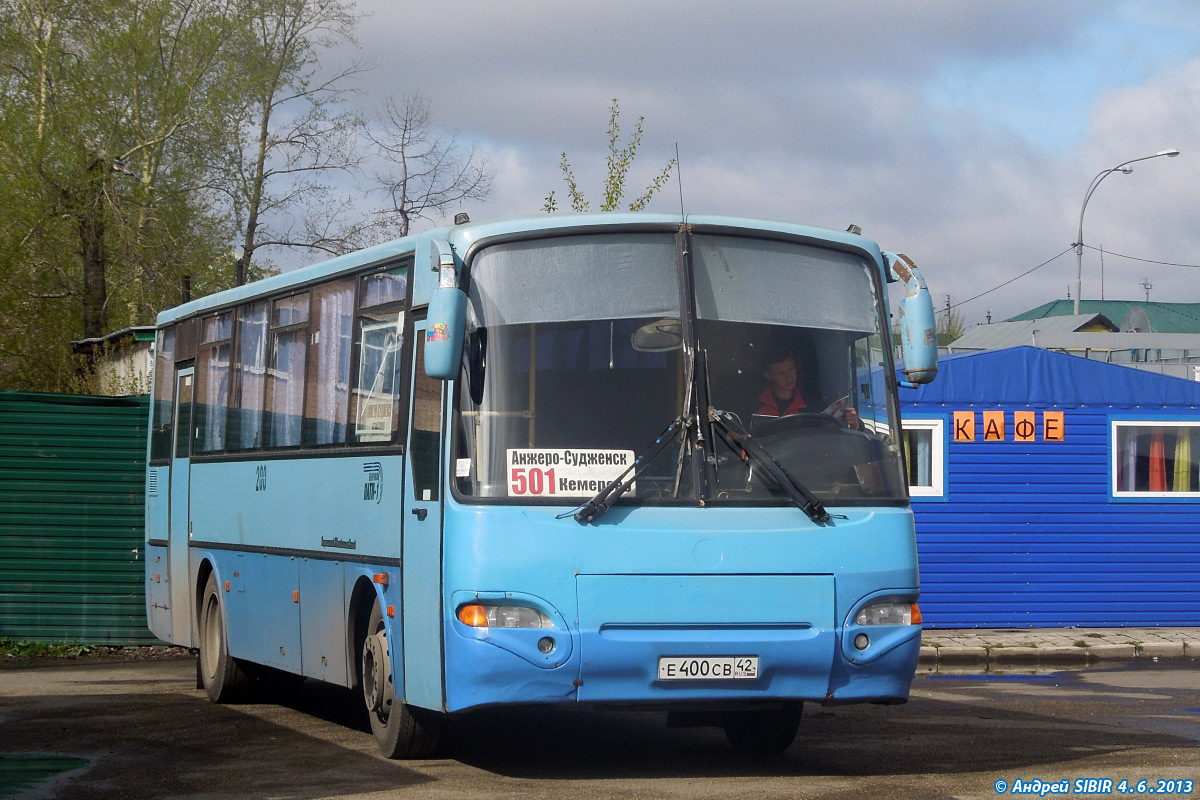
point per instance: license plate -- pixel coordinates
(694, 668)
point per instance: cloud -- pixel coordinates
(1150, 213)
(936, 125)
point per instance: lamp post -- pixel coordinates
(1124, 168)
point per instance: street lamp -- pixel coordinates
(1124, 169)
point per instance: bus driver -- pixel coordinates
(781, 396)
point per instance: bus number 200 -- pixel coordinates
(532, 480)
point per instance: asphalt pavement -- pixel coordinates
(1002, 648)
(118, 730)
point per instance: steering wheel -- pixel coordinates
(797, 421)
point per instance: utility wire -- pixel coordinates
(1143, 260)
(1007, 282)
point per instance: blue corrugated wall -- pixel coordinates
(1028, 535)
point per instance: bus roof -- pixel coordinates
(465, 237)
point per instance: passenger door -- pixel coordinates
(179, 528)
(422, 539)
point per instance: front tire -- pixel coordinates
(221, 675)
(400, 730)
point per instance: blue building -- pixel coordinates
(1052, 490)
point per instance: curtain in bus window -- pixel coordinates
(286, 387)
(382, 288)
(824, 288)
(212, 383)
(245, 427)
(593, 277)
(329, 377)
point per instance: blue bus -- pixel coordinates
(533, 461)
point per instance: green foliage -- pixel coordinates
(118, 123)
(104, 116)
(25, 649)
(619, 161)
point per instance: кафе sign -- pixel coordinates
(1025, 426)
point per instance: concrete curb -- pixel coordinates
(999, 649)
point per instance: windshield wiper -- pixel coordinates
(593, 509)
(748, 448)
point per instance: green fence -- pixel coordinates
(72, 477)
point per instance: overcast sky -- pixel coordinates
(961, 132)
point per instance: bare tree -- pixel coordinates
(424, 170)
(292, 134)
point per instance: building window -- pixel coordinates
(1156, 459)
(924, 452)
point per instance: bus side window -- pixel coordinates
(426, 429)
(285, 375)
(328, 402)
(212, 381)
(379, 339)
(246, 410)
(183, 432)
(164, 396)
(185, 340)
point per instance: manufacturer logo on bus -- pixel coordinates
(373, 486)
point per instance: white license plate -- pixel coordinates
(697, 668)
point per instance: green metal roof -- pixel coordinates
(1164, 317)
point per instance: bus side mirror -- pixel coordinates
(918, 331)
(447, 316)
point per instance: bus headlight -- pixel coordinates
(889, 614)
(476, 615)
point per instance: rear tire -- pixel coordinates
(221, 675)
(400, 730)
(763, 731)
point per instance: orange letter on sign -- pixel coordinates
(964, 426)
(1024, 426)
(993, 426)
(1052, 426)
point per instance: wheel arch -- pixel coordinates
(362, 596)
(204, 569)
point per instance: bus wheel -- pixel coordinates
(763, 731)
(223, 679)
(400, 730)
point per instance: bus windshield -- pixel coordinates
(576, 363)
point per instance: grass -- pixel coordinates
(24, 649)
